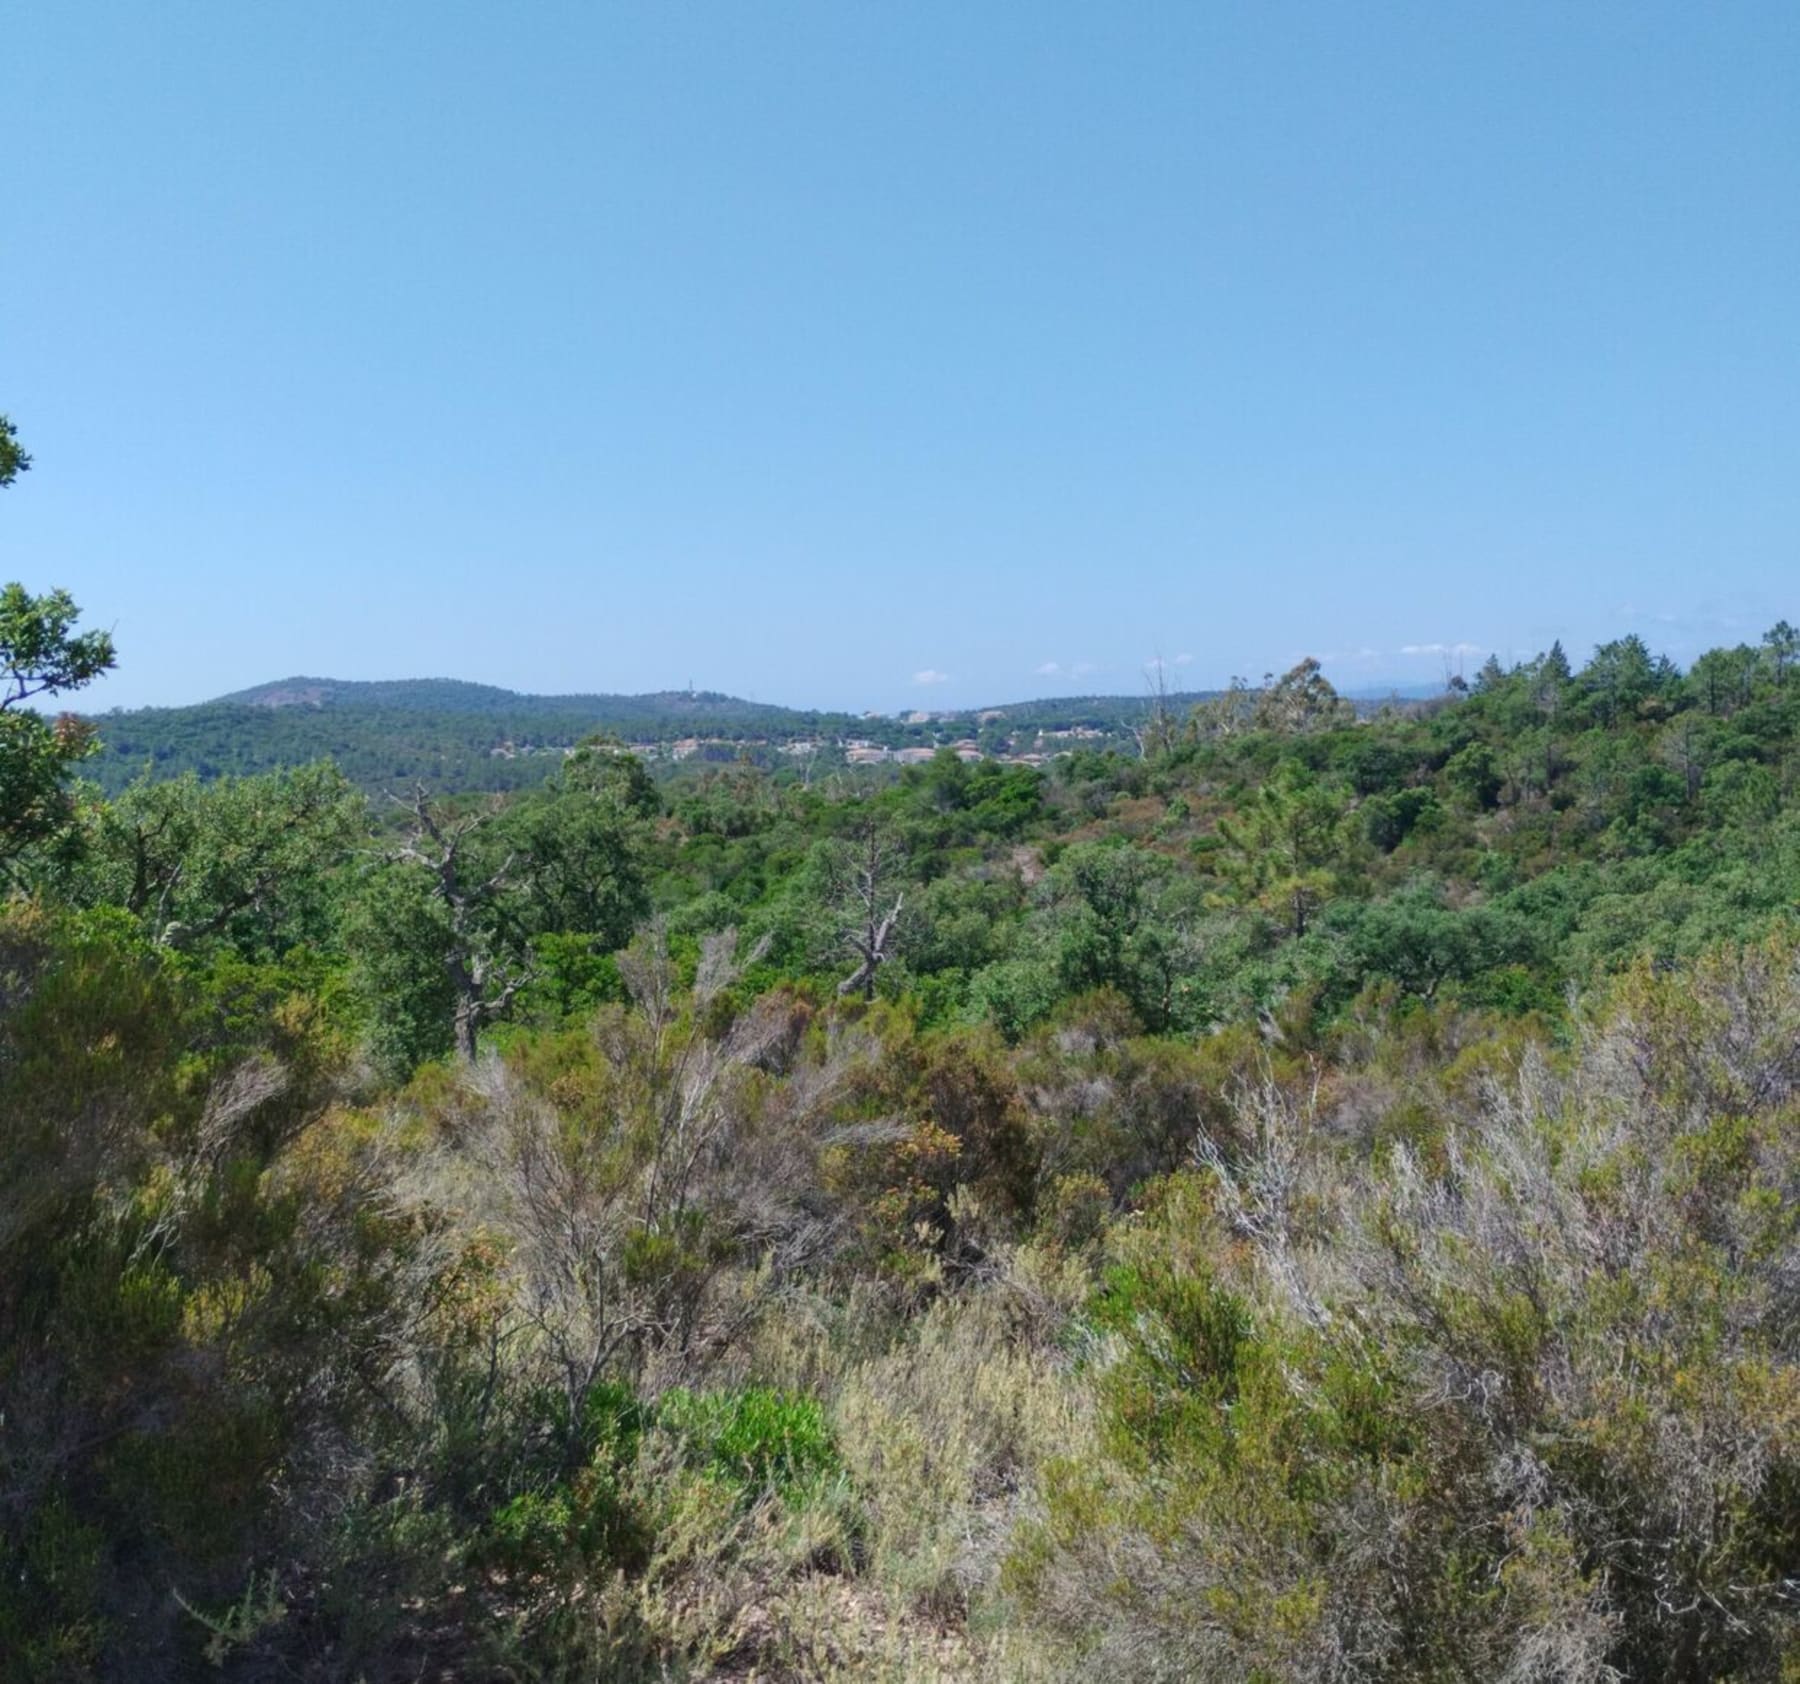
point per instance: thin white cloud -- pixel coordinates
(1183, 660)
(1049, 669)
(1442, 649)
(1339, 657)
(930, 675)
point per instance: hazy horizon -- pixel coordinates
(1178, 685)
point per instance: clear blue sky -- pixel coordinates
(874, 354)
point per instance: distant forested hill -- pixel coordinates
(452, 735)
(659, 710)
(440, 731)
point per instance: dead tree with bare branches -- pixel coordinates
(485, 974)
(869, 904)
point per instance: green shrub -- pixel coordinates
(1527, 1409)
(756, 1438)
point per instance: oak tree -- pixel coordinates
(41, 656)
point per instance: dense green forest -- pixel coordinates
(459, 738)
(1306, 1197)
(448, 735)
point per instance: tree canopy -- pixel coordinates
(41, 656)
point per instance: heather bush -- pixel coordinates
(180, 1317)
(1528, 1410)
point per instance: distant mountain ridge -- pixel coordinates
(452, 734)
(447, 693)
(457, 695)
(447, 733)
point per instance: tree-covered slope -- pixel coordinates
(456, 736)
(443, 732)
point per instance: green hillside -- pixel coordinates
(442, 732)
(453, 735)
